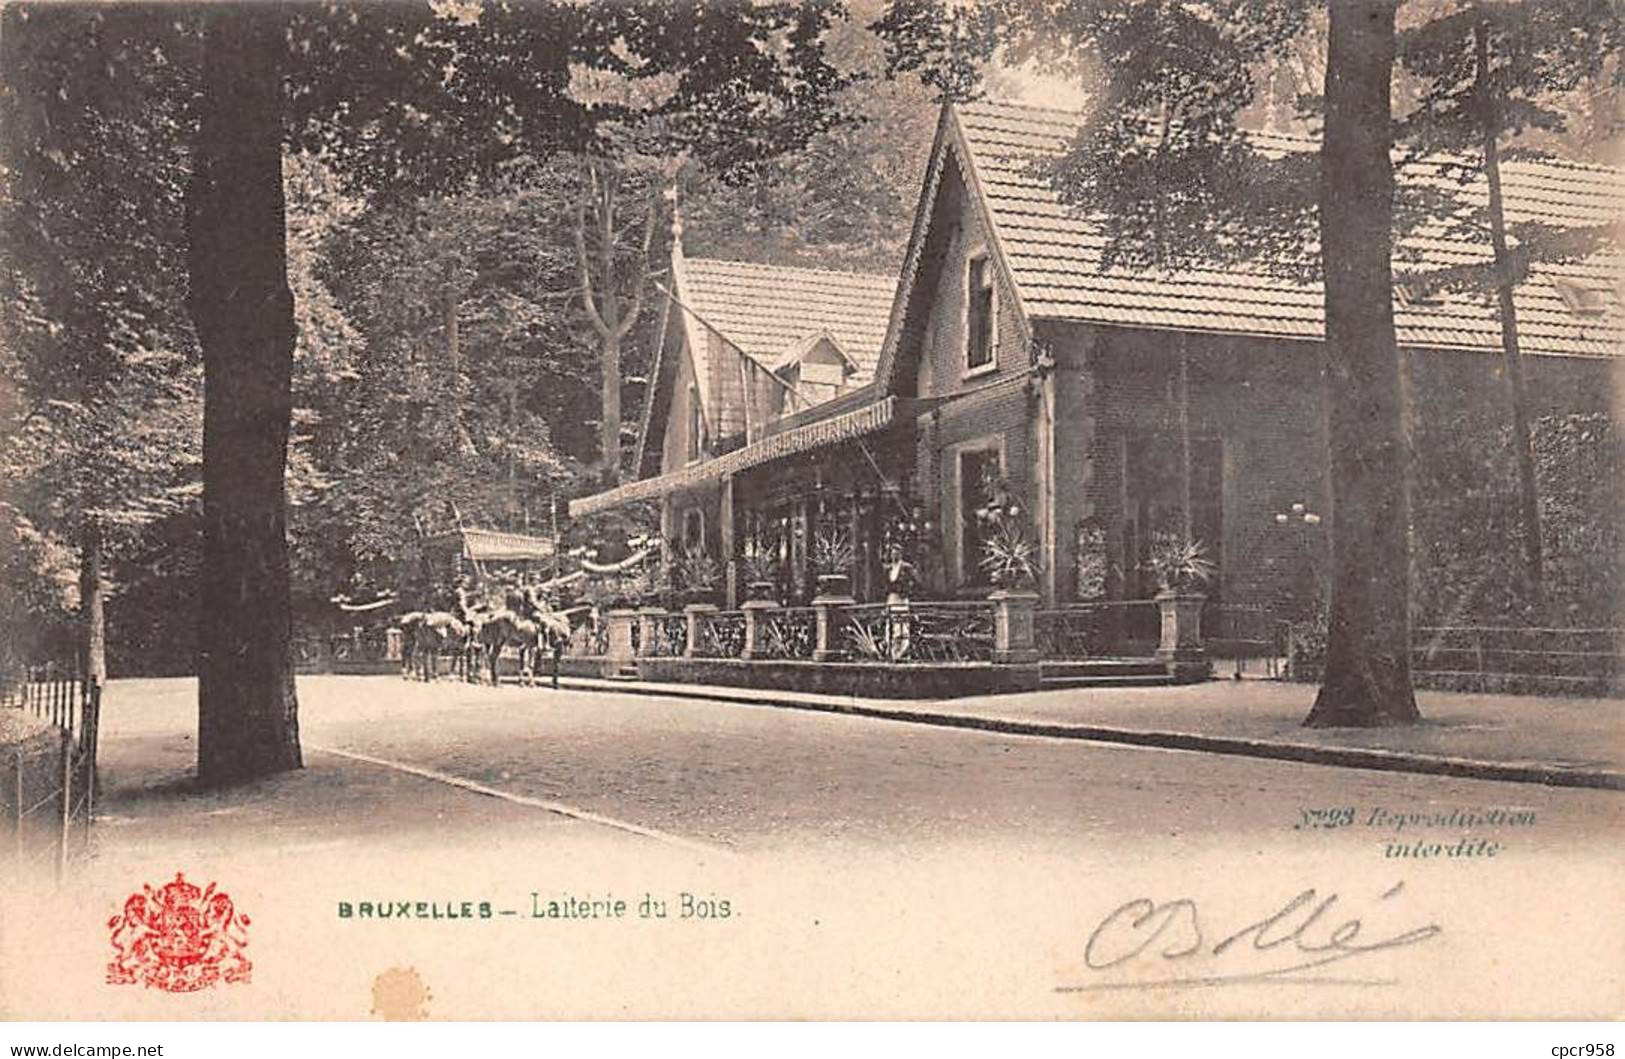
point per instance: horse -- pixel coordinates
(438, 632)
(527, 623)
(555, 628)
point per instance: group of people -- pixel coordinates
(477, 630)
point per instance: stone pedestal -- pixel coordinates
(1180, 646)
(699, 615)
(649, 629)
(618, 639)
(828, 610)
(757, 612)
(1013, 638)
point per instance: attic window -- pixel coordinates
(1414, 294)
(1585, 300)
(978, 314)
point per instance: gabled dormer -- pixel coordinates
(816, 370)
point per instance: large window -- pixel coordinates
(979, 314)
(1155, 492)
(978, 469)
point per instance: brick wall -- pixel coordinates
(999, 404)
(1262, 400)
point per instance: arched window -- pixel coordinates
(693, 530)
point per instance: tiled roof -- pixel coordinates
(772, 311)
(1054, 254)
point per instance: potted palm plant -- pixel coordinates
(1181, 566)
(1010, 559)
(759, 569)
(832, 558)
(695, 575)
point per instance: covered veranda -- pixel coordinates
(844, 474)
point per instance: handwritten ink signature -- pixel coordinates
(1298, 936)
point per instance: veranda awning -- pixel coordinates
(483, 545)
(856, 423)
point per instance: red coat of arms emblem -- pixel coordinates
(179, 939)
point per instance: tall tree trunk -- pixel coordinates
(92, 609)
(1506, 279)
(609, 308)
(612, 309)
(243, 311)
(1368, 677)
(609, 359)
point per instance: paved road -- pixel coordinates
(760, 778)
(881, 867)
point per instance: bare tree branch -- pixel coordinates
(640, 281)
(579, 231)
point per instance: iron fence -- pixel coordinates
(51, 792)
(948, 631)
(1101, 629)
(1248, 636)
(789, 633)
(721, 635)
(668, 636)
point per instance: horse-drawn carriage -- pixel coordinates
(499, 606)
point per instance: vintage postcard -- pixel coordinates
(811, 511)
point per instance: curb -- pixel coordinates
(1542, 773)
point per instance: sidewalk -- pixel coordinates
(1516, 738)
(340, 802)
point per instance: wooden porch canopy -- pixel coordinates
(869, 419)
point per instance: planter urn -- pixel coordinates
(835, 585)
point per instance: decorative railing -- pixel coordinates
(1097, 630)
(721, 635)
(918, 632)
(788, 633)
(668, 636)
(589, 638)
(866, 632)
(950, 632)
(371, 645)
(316, 651)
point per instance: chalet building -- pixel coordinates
(1117, 404)
(761, 393)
